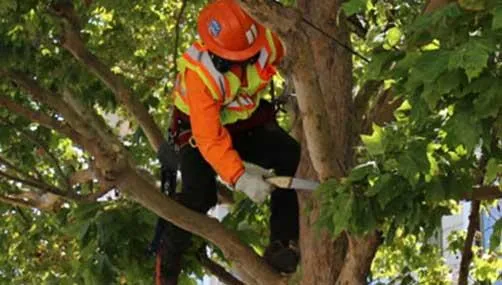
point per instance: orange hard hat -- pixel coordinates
(229, 32)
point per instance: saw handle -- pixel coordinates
(280, 181)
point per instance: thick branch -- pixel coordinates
(34, 184)
(88, 115)
(74, 44)
(87, 176)
(467, 253)
(82, 176)
(271, 14)
(482, 193)
(44, 96)
(177, 35)
(243, 257)
(39, 118)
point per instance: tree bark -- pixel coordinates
(322, 73)
(467, 253)
(359, 258)
(244, 258)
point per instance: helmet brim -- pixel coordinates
(241, 55)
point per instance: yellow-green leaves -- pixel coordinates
(373, 142)
(393, 37)
(493, 168)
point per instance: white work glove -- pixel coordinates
(253, 184)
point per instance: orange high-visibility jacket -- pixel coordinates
(212, 138)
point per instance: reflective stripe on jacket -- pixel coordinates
(213, 99)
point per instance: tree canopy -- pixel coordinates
(84, 102)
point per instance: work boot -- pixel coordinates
(283, 256)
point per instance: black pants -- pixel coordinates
(268, 146)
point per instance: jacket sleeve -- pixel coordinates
(212, 138)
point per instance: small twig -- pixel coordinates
(52, 157)
(23, 215)
(43, 96)
(177, 34)
(9, 165)
(27, 182)
(37, 117)
(42, 186)
(55, 162)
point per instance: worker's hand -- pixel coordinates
(253, 184)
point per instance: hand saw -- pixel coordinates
(292, 182)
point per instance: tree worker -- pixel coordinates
(219, 121)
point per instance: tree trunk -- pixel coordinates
(327, 76)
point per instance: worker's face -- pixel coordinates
(224, 65)
(250, 60)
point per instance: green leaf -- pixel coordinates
(388, 188)
(379, 63)
(342, 211)
(363, 218)
(493, 168)
(463, 129)
(435, 191)
(393, 36)
(449, 81)
(488, 103)
(360, 172)
(354, 6)
(374, 143)
(496, 235)
(429, 66)
(445, 84)
(497, 18)
(414, 162)
(383, 181)
(471, 56)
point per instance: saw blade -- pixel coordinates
(304, 184)
(291, 182)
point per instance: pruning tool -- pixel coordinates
(292, 182)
